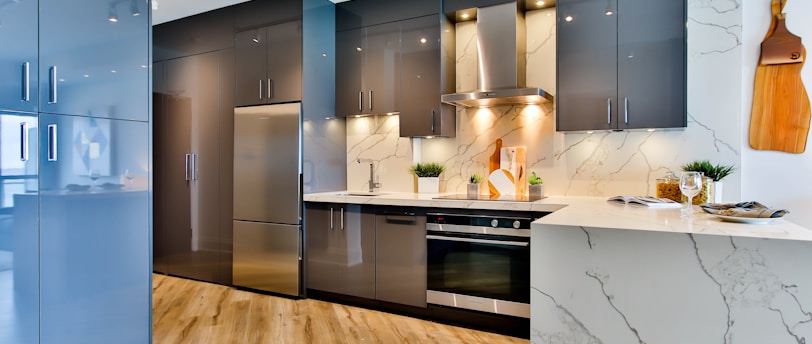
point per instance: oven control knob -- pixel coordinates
(517, 224)
(494, 223)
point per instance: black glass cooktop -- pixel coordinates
(503, 198)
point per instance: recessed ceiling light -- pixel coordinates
(539, 3)
(465, 16)
(568, 18)
(423, 40)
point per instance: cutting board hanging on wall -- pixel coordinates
(780, 117)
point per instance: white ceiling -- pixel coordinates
(169, 10)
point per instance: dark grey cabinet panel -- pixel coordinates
(423, 81)
(254, 14)
(620, 71)
(369, 57)
(340, 249)
(400, 261)
(362, 13)
(189, 231)
(92, 65)
(18, 71)
(205, 32)
(269, 64)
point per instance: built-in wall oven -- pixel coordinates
(479, 262)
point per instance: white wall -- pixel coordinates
(775, 178)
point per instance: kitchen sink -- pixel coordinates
(361, 193)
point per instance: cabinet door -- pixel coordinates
(381, 72)
(358, 247)
(321, 257)
(18, 71)
(251, 50)
(189, 169)
(91, 65)
(284, 81)
(400, 246)
(19, 230)
(587, 65)
(420, 77)
(651, 64)
(95, 276)
(349, 72)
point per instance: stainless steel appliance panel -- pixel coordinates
(267, 163)
(266, 256)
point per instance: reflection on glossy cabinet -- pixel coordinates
(94, 58)
(269, 64)
(621, 69)
(18, 69)
(191, 125)
(19, 239)
(340, 249)
(94, 237)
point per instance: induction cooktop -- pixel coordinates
(503, 198)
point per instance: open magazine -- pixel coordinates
(645, 201)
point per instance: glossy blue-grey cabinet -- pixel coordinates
(94, 58)
(94, 211)
(19, 236)
(621, 65)
(18, 58)
(269, 64)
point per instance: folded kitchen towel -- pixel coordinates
(743, 209)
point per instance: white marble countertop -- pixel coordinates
(588, 212)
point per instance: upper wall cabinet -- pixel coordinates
(368, 70)
(269, 64)
(94, 58)
(202, 33)
(18, 69)
(621, 66)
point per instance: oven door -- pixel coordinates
(489, 273)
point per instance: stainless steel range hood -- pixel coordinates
(501, 49)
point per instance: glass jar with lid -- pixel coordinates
(668, 187)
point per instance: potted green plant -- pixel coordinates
(474, 182)
(712, 186)
(428, 176)
(536, 189)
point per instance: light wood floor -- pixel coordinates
(186, 311)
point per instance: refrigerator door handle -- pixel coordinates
(194, 166)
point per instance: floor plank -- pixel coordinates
(187, 311)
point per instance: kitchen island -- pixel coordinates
(607, 273)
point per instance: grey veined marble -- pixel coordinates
(598, 285)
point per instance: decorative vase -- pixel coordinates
(473, 191)
(428, 185)
(536, 192)
(717, 192)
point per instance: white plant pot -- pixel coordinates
(428, 185)
(717, 192)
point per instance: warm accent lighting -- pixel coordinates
(568, 18)
(590, 132)
(358, 48)
(429, 137)
(423, 40)
(465, 16)
(650, 130)
(539, 3)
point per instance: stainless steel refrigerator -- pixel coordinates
(268, 198)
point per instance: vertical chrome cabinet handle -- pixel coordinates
(194, 166)
(608, 110)
(186, 161)
(260, 88)
(370, 100)
(342, 219)
(332, 225)
(52, 154)
(626, 110)
(360, 100)
(52, 98)
(433, 119)
(23, 141)
(270, 88)
(26, 96)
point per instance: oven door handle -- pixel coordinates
(479, 241)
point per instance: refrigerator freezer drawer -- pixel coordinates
(266, 257)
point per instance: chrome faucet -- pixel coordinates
(372, 183)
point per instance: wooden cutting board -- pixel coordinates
(780, 117)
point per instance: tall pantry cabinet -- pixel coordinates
(74, 165)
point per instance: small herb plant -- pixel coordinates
(716, 172)
(534, 179)
(429, 169)
(475, 178)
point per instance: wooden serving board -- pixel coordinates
(780, 117)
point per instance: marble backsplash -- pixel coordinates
(575, 164)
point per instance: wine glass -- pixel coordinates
(130, 175)
(690, 183)
(94, 175)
